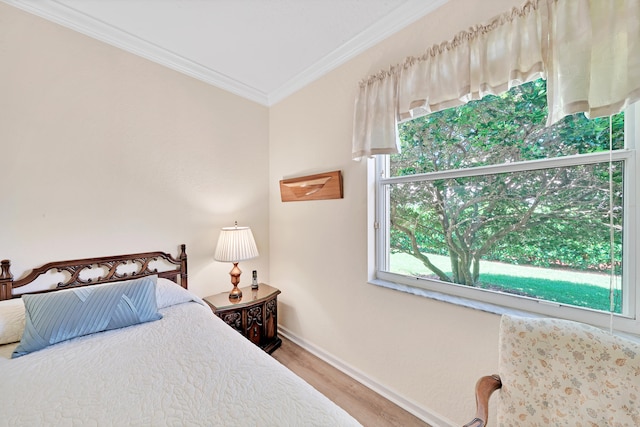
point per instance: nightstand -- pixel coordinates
(255, 315)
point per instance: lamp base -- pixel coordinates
(235, 280)
(235, 293)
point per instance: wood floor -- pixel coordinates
(366, 406)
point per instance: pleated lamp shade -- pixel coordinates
(235, 244)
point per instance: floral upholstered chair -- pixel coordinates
(560, 373)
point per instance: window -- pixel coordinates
(487, 203)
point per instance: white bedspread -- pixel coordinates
(187, 369)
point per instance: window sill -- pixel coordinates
(473, 304)
(451, 299)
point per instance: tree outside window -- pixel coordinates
(486, 196)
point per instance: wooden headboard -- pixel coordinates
(109, 266)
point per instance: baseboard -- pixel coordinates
(406, 404)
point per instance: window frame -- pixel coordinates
(497, 302)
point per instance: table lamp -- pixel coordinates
(235, 244)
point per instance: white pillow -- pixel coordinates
(169, 293)
(12, 320)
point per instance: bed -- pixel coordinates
(180, 366)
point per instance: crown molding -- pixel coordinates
(68, 17)
(400, 18)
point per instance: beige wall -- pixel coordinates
(103, 152)
(426, 352)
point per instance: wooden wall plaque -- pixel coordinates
(312, 187)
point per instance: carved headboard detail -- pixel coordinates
(109, 265)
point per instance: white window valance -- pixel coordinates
(594, 57)
(588, 50)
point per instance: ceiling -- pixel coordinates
(263, 50)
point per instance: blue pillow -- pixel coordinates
(59, 316)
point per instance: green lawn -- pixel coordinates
(559, 285)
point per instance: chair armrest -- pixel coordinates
(484, 388)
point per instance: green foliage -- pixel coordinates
(566, 286)
(577, 294)
(550, 217)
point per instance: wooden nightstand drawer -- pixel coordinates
(255, 315)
